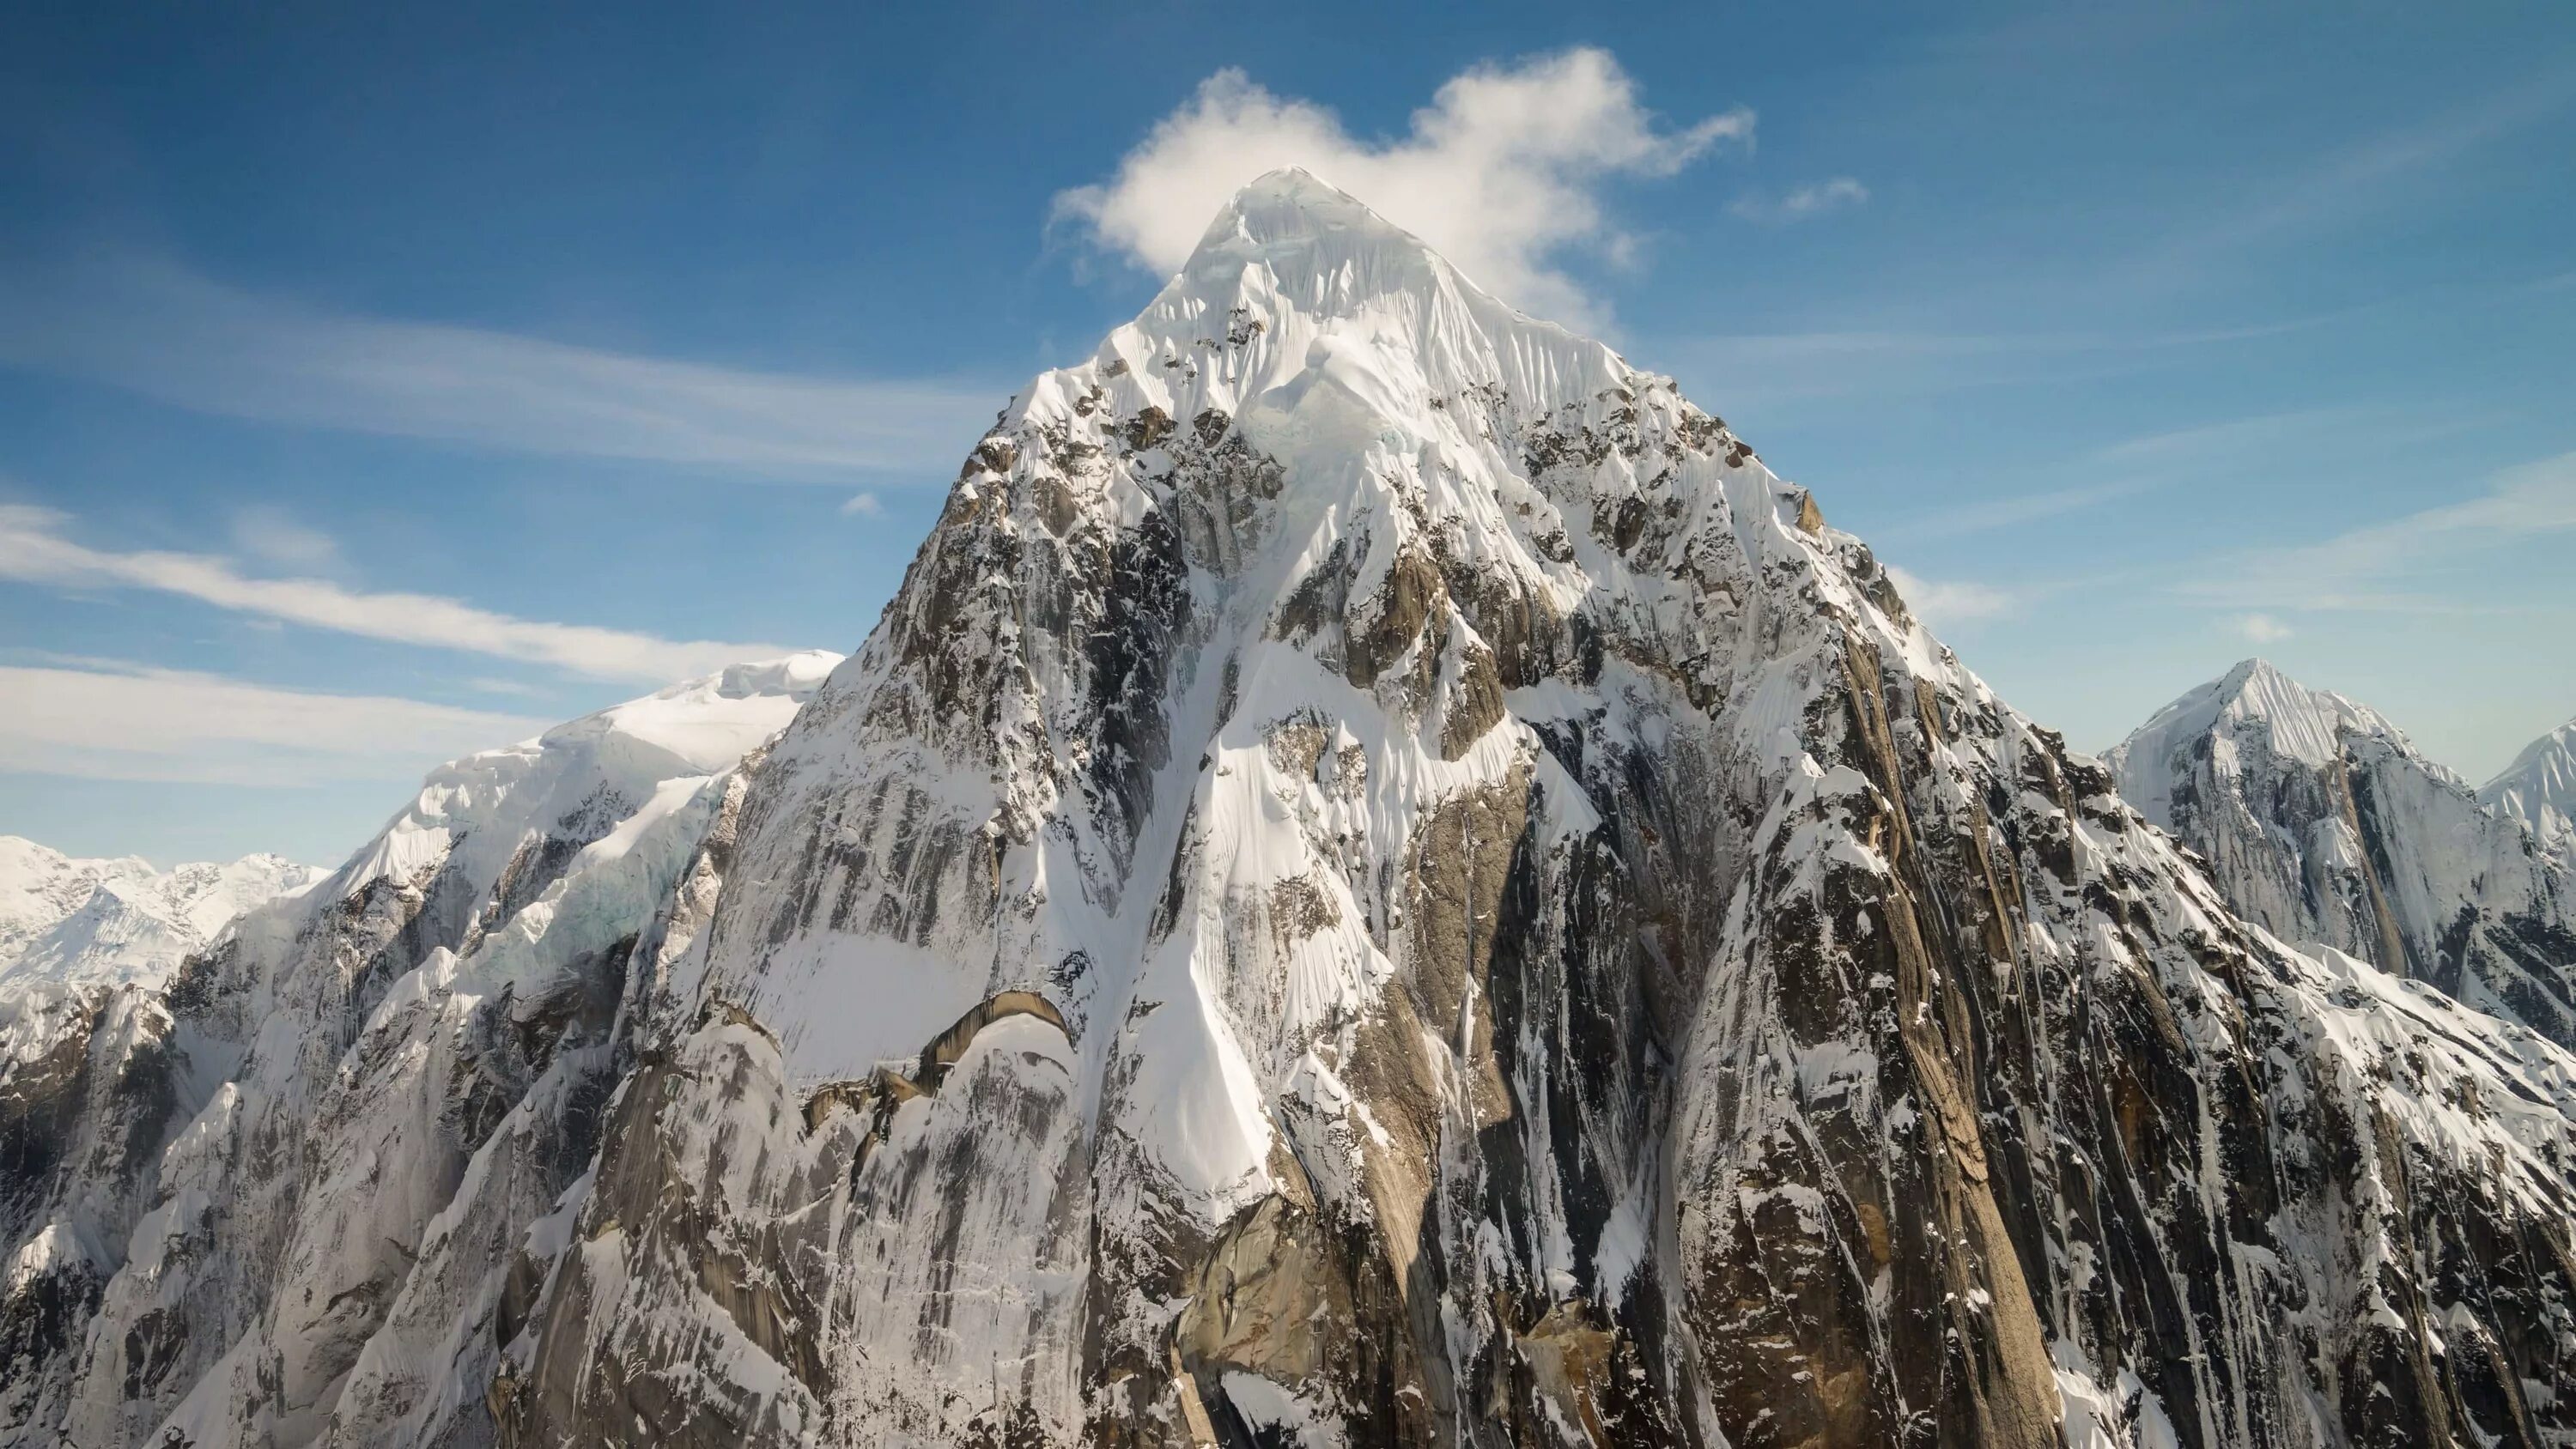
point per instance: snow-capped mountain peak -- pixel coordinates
(2539, 789)
(1381, 881)
(2252, 702)
(2320, 821)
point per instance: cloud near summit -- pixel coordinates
(1500, 173)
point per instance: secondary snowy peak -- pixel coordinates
(38, 887)
(2539, 789)
(2321, 822)
(100, 922)
(2255, 707)
(473, 815)
(361, 1097)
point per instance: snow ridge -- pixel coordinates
(2539, 789)
(362, 1095)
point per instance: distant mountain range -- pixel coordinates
(106, 921)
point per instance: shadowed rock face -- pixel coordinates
(1384, 882)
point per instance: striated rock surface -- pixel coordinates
(1538, 948)
(1382, 881)
(2319, 821)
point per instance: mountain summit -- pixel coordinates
(1382, 881)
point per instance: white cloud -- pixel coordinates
(862, 505)
(33, 550)
(2262, 628)
(169, 334)
(127, 722)
(1500, 173)
(1813, 199)
(1950, 604)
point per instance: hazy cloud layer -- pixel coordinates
(33, 550)
(129, 722)
(169, 334)
(1501, 173)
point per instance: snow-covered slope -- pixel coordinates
(2319, 821)
(289, 1184)
(1382, 881)
(2539, 789)
(105, 921)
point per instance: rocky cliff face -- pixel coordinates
(2319, 821)
(1381, 882)
(1384, 881)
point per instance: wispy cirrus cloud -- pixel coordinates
(103, 719)
(1801, 203)
(2354, 179)
(158, 329)
(2433, 560)
(1502, 172)
(275, 536)
(34, 550)
(2127, 467)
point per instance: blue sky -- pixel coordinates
(375, 388)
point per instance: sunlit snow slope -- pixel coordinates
(2539, 789)
(282, 1197)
